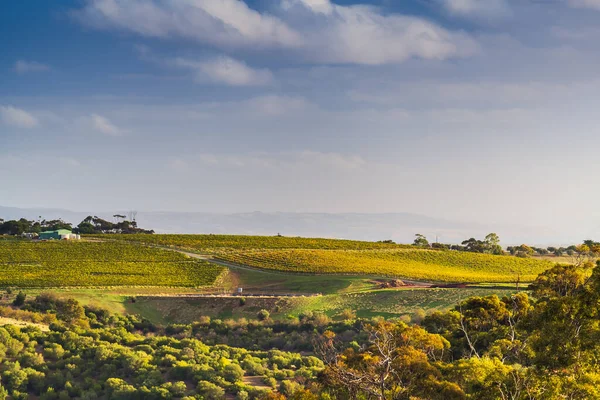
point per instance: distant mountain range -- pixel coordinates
(400, 227)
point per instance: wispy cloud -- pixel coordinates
(23, 67)
(488, 9)
(361, 34)
(17, 117)
(317, 31)
(229, 23)
(226, 70)
(592, 4)
(103, 125)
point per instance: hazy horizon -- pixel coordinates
(463, 110)
(400, 227)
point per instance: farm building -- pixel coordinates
(59, 235)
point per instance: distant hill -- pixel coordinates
(400, 227)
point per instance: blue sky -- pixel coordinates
(481, 110)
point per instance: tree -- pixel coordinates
(492, 239)
(70, 311)
(474, 245)
(492, 244)
(394, 364)
(420, 241)
(20, 299)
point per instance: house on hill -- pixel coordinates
(61, 234)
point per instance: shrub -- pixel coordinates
(233, 372)
(263, 315)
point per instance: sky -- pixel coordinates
(476, 110)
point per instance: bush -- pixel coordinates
(233, 372)
(263, 315)
(210, 391)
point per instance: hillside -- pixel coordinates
(417, 264)
(79, 264)
(331, 256)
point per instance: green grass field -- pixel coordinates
(386, 303)
(89, 264)
(417, 264)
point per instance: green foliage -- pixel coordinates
(62, 264)
(263, 315)
(115, 361)
(20, 299)
(420, 241)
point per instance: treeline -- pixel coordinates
(588, 246)
(95, 225)
(20, 226)
(90, 225)
(491, 245)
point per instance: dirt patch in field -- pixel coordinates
(19, 323)
(398, 284)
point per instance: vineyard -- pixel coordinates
(430, 265)
(90, 264)
(223, 243)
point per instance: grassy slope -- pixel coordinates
(332, 256)
(430, 265)
(87, 264)
(386, 303)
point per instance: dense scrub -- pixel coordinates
(432, 265)
(516, 347)
(64, 263)
(219, 243)
(108, 356)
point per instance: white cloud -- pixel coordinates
(22, 67)
(592, 4)
(489, 9)
(320, 6)
(314, 30)
(362, 35)
(103, 125)
(17, 117)
(227, 71)
(229, 23)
